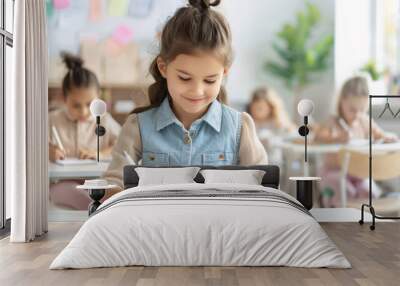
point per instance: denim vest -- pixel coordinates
(211, 140)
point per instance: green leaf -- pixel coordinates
(280, 71)
(313, 14)
(300, 60)
(371, 69)
(310, 58)
(286, 55)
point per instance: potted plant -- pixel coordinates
(376, 81)
(300, 57)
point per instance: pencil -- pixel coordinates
(57, 137)
(345, 126)
(129, 158)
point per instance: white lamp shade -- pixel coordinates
(98, 107)
(305, 107)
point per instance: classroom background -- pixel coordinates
(117, 39)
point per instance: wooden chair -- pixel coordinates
(385, 165)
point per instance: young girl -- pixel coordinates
(351, 122)
(268, 111)
(271, 120)
(76, 129)
(187, 122)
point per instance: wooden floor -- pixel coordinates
(374, 255)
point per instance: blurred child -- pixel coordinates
(351, 122)
(271, 120)
(76, 129)
(268, 111)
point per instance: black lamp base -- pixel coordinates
(304, 190)
(304, 193)
(96, 195)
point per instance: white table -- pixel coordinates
(318, 149)
(321, 149)
(58, 172)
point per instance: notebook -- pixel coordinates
(75, 161)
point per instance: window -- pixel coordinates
(9, 12)
(374, 32)
(387, 41)
(6, 44)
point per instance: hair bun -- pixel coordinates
(72, 62)
(203, 5)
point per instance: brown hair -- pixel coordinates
(77, 76)
(278, 112)
(192, 28)
(354, 86)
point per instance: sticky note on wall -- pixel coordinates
(61, 4)
(95, 10)
(118, 8)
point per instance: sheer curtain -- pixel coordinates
(26, 119)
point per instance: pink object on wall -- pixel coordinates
(61, 4)
(123, 35)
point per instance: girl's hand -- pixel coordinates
(87, 154)
(55, 153)
(390, 138)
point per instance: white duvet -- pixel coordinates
(184, 230)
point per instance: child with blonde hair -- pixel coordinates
(268, 111)
(271, 119)
(350, 122)
(188, 122)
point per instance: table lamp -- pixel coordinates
(98, 108)
(305, 108)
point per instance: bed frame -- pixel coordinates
(270, 179)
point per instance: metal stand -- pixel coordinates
(369, 205)
(100, 131)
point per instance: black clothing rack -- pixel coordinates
(369, 205)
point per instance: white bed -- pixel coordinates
(223, 224)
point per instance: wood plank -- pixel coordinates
(374, 255)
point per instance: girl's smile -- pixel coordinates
(195, 100)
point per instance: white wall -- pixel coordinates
(353, 37)
(254, 26)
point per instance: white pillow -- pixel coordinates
(248, 177)
(164, 176)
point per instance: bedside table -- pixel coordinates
(304, 190)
